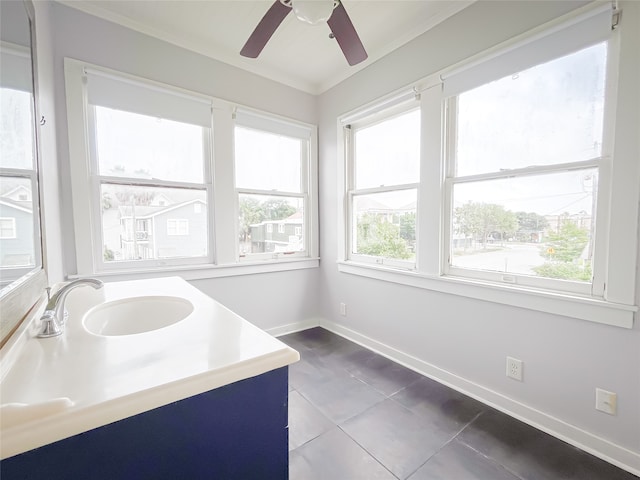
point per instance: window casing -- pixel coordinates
(166, 197)
(272, 163)
(383, 153)
(525, 155)
(449, 181)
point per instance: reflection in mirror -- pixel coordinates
(20, 244)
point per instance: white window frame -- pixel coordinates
(223, 259)
(387, 109)
(19, 57)
(258, 121)
(612, 300)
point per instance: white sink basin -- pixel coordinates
(136, 315)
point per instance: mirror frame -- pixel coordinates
(20, 298)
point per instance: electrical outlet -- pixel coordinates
(514, 368)
(343, 309)
(606, 402)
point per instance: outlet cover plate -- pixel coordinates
(514, 368)
(606, 401)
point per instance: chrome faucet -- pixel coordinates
(53, 316)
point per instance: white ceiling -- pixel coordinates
(298, 55)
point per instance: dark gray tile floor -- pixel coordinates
(354, 414)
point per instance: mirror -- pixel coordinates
(22, 278)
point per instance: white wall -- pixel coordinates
(461, 341)
(267, 300)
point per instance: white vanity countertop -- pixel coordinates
(111, 378)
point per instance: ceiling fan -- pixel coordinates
(312, 12)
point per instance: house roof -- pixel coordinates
(22, 206)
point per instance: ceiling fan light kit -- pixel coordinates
(312, 12)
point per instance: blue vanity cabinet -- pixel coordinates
(239, 431)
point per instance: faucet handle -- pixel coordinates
(50, 327)
(48, 294)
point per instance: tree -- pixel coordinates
(407, 223)
(277, 209)
(380, 238)
(251, 212)
(563, 251)
(567, 244)
(480, 220)
(530, 223)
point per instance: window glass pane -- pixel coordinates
(384, 224)
(267, 161)
(388, 153)
(16, 129)
(548, 114)
(540, 225)
(138, 146)
(17, 240)
(271, 224)
(142, 223)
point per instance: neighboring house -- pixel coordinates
(178, 230)
(278, 235)
(16, 233)
(18, 194)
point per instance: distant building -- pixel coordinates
(278, 235)
(163, 231)
(16, 233)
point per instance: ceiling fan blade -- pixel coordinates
(265, 29)
(346, 35)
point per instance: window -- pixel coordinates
(177, 227)
(526, 155)
(522, 187)
(384, 162)
(157, 164)
(150, 148)
(19, 232)
(272, 161)
(7, 228)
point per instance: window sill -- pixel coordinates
(203, 272)
(574, 306)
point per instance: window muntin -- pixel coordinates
(271, 169)
(526, 148)
(384, 160)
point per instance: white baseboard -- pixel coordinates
(582, 439)
(294, 327)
